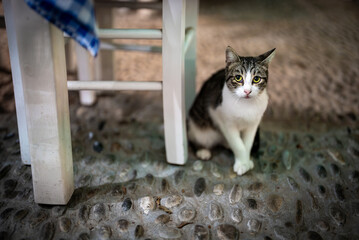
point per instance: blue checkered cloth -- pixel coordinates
(74, 17)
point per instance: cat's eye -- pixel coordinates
(256, 79)
(238, 78)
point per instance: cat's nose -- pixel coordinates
(247, 91)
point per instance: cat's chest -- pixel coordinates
(243, 112)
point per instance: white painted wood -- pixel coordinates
(173, 21)
(190, 53)
(130, 33)
(85, 73)
(113, 85)
(16, 71)
(128, 4)
(130, 47)
(38, 54)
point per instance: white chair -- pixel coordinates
(39, 75)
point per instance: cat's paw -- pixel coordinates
(204, 154)
(241, 167)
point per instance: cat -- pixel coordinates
(229, 107)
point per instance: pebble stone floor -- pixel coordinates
(304, 186)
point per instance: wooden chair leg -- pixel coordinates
(104, 62)
(190, 55)
(22, 121)
(173, 26)
(85, 73)
(38, 62)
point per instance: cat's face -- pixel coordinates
(247, 77)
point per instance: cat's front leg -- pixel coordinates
(242, 162)
(248, 136)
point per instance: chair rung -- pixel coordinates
(130, 33)
(127, 4)
(113, 85)
(129, 47)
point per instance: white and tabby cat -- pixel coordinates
(229, 108)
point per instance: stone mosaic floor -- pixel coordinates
(305, 185)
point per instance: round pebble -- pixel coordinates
(323, 226)
(215, 211)
(200, 233)
(172, 201)
(283, 234)
(305, 175)
(186, 214)
(218, 189)
(253, 225)
(314, 236)
(292, 184)
(83, 213)
(98, 212)
(164, 185)
(169, 233)
(149, 179)
(227, 232)
(321, 190)
(97, 146)
(199, 186)
(236, 194)
(198, 165)
(335, 169)
(127, 204)
(84, 236)
(122, 225)
(139, 231)
(47, 231)
(287, 159)
(274, 203)
(38, 218)
(163, 218)
(255, 186)
(354, 177)
(237, 215)
(321, 171)
(65, 224)
(21, 214)
(252, 203)
(336, 156)
(10, 185)
(337, 214)
(215, 171)
(105, 232)
(339, 192)
(147, 204)
(179, 175)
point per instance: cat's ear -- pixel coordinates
(231, 56)
(265, 58)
